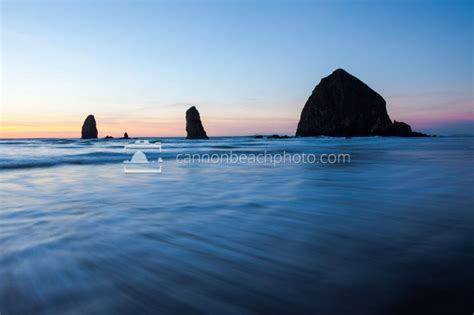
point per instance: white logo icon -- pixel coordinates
(139, 163)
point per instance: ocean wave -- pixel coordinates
(37, 153)
(50, 161)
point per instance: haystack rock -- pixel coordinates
(89, 128)
(125, 136)
(343, 106)
(194, 127)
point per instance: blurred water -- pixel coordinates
(391, 232)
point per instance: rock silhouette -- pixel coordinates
(278, 137)
(342, 105)
(89, 128)
(194, 127)
(125, 136)
(400, 129)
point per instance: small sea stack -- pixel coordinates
(341, 105)
(89, 128)
(194, 127)
(125, 136)
(278, 137)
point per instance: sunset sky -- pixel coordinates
(248, 66)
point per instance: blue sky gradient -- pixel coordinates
(248, 66)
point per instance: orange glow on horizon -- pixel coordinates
(146, 128)
(32, 130)
(176, 127)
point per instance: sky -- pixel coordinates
(248, 66)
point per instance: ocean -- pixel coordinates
(390, 232)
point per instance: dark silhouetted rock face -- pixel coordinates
(342, 105)
(194, 126)
(400, 129)
(89, 128)
(125, 136)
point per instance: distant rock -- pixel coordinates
(108, 137)
(194, 127)
(278, 137)
(343, 106)
(258, 136)
(125, 136)
(89, 128)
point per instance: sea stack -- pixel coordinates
(341, 105)
(125, 136)
(194, 127)
(89, 128)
